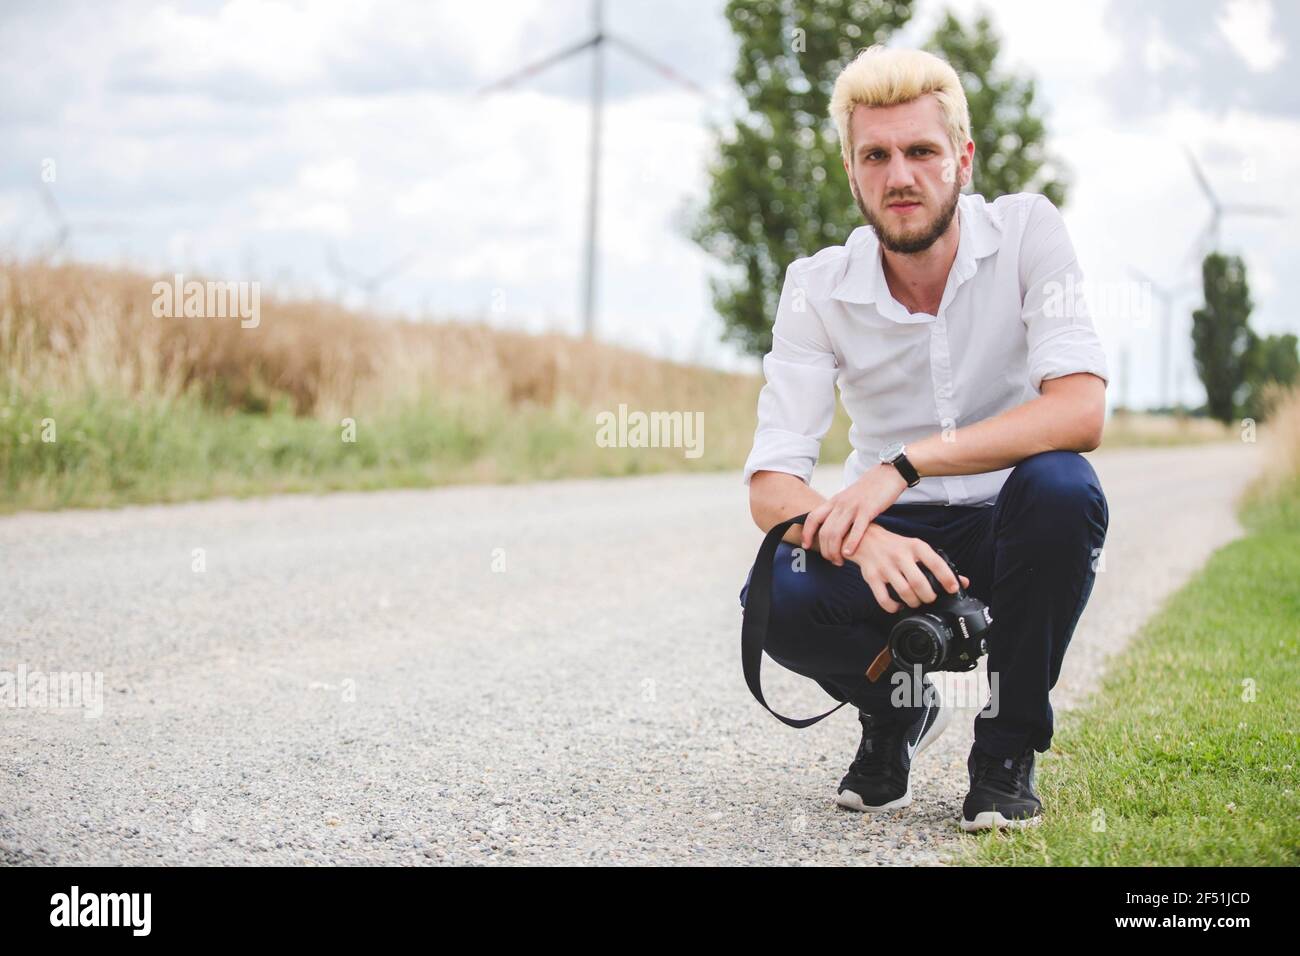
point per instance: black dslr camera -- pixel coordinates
(948, 634)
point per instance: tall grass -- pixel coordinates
(1273, 500)
(74, 327)
(159, 409)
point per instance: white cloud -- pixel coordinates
(337, 177)
(279, 213)
(1247, 25)
(1158, 53)
(273, 41)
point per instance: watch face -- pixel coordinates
(890, 451)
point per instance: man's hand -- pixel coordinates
(891, 559)
(841, 521)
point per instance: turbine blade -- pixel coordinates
(397, 268)
(1200, 177)
(1255, 210)
(535, 68)
(657, 65)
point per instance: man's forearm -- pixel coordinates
(1069, 418)
(775, 496)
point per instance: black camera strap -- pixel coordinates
(758, 608)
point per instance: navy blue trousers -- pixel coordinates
(1031, 558)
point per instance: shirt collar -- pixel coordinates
(980, 234)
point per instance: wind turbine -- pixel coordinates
(596, 42)
(368, 282)
(1208, 240)
(1167, 295)
(65, 229)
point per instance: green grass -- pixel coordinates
(110, 450)
(1171, 763)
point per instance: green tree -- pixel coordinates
(1007, 126)
(1271, 360)
(778, 189)
(1222, 342)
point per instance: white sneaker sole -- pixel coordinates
(852, 801)
(993, 819)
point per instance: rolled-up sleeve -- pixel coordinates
(797, 403)
(1058, 323)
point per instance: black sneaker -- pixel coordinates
(879, 777)
(1001, 792)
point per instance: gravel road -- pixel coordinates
(542, 673)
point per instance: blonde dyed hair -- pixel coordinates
(879, 76)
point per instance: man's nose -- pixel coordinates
(899, 175)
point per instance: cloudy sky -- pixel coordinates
(313, 145)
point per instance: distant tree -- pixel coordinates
(1007, 126)
(778, 189)
(1222, 342)
(1271, 361)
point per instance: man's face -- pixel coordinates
(905, 176)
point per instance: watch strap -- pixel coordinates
(905, 469)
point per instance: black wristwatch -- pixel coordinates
(895, 454)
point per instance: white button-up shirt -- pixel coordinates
(1012, 314)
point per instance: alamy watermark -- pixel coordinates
(57, 690)
(75, 908)
(1127, 300)
(639, 429)
(960, 689)
(208, 300)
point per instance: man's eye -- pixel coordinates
(923, 149)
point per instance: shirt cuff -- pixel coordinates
(1072, 349)
(777, 450)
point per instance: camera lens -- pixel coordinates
(919, 639)
(918, 645)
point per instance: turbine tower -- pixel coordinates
(1167, 295)
(1208, 240)
(596, 42)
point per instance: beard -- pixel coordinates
(911, 239)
